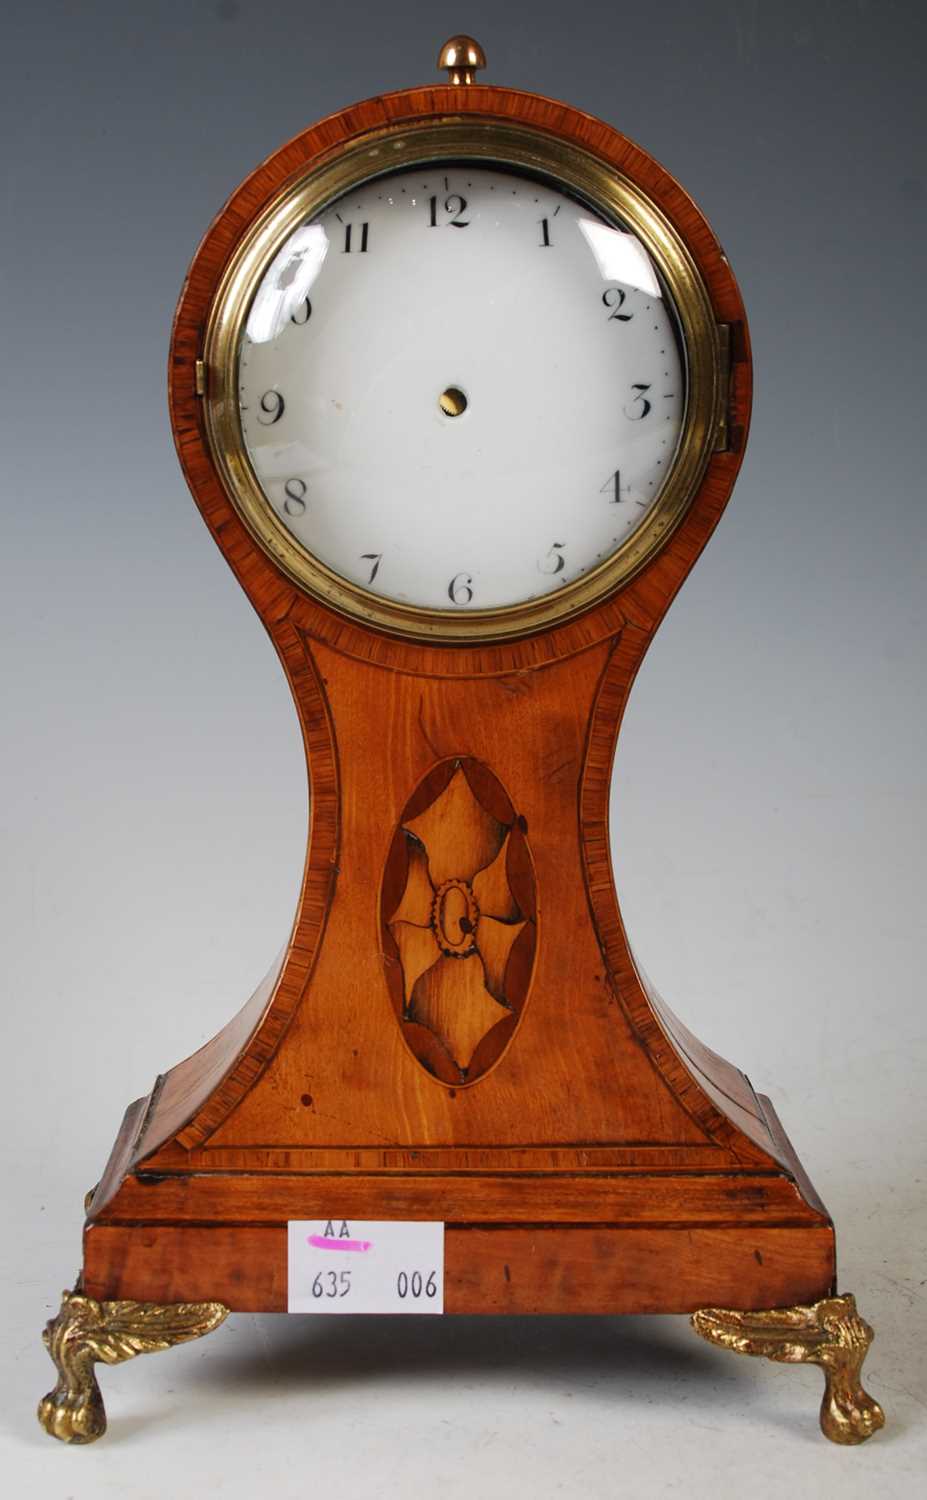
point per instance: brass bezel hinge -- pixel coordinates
(199, 377)
(722, 441)
(733, 350)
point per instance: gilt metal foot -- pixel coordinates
(85, 1332)
(829, 1333)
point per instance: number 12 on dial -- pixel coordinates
(365, 1266)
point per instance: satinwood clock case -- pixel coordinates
(594, 1157)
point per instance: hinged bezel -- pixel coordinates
(498, 142)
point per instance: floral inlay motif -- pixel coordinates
(458, 921)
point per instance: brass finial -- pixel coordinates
(461, 56)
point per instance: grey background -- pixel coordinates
(768, 806)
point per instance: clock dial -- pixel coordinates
(460, 388)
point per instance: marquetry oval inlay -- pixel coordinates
(459, 920)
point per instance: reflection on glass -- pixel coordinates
(287, 283)
(620, 257)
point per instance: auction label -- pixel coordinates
(365, 1266)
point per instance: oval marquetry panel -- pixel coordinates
(458, 915)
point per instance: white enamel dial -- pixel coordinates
(460, 388)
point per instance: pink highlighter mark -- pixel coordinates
(325, 1242)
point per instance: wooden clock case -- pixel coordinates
(594, 1157)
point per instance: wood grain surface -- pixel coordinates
(536, 1269)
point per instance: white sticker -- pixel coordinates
(365, 1266)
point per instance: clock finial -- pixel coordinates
(461, 55)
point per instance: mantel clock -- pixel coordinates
(460, 381)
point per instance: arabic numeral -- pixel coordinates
(454, 205)
(546, 242)
(614, 299)
(613, 483)
(638, 407)
(294, 502)
(348, 236)
(302, 314)
(460, 588)
(273, 407)
(553, 562)
(375, 559)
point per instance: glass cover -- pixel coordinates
(460, 388)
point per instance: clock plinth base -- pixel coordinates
(87, 1332)
(829, 1333)
(175, 1240)
(632, 1228)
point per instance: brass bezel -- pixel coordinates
(458, 138)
